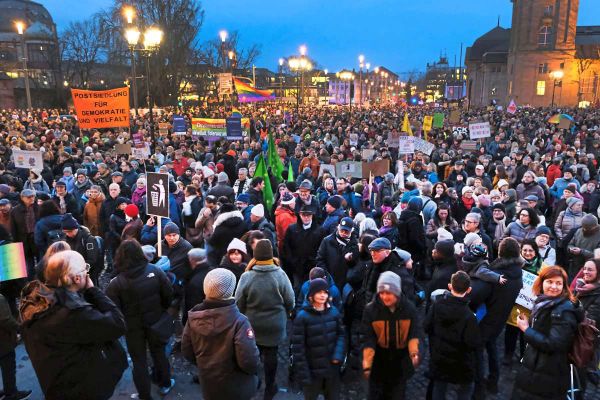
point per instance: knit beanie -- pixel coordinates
(471, 239)
(316, 285)
(415, 204)
(237, 244)
(258, 211)
(571, 201)
(499, 206)
(263, 250)
(219, 284)
(571, 187)
(317, 272)
(69, 223)
(589, 221)
(149, 252)
(389, 282)
(443, 234)
(222, 177)
(171, 227)
(335, 201)
(445, 248)
(543, 230)
(132, 210)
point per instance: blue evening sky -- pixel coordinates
(399, 34)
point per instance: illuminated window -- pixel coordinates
(541, 88)
(544, 35)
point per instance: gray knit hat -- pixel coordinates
(389, 282)
(219, 284)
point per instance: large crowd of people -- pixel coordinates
(359, 276)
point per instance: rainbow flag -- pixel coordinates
(12, 262)
(249, 94)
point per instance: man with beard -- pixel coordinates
(529, 186)
(306, 199)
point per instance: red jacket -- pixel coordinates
(284, 217)
(552, 174)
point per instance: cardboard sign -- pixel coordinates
(438, 120)
(141, 153)
(179, 125)
(406, 145)
(329, 168)
(427, 123)
(377, 168)
(393, 139)
(424, 146)
(479, 130)
(28, 159)
(102, 108)
(157, 199)
(454, 117)
(353, 139)
(123, 148)
(368, 154)
(461, 131)
(512, 107)
(234, 128)
(163, 128)
(349, 168)
(468, 145)
(12, 262)
(526, 297)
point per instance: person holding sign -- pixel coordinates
(545, 371)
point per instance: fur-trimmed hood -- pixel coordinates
(221, 218)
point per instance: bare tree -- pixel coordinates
(583, 64)
(210, 53)
(81, 49)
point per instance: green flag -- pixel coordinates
(261, 170)
(290, 172)
(274, 160)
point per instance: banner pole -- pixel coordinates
(159, 231)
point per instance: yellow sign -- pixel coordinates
(427, 123)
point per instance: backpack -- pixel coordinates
(55, 235)
(94, 249)
(584, 345)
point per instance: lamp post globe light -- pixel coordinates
(348, 77)
(300, 65)
(557, 81)
(361, 63)
(21, 27)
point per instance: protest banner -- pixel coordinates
(329, 168)
(512, 107)
(122, 148)
(28, 159)
(225, 83)
(376, 168)
(101, 108)
(461, 131)
(367, 154)
(479, 130)
(468, 145)
(215, 128)
(393, 139)
(141, 153)
(179, 125)
(438, 120)
(12, 262)
(349, 168)
(427, 123)
(234, 128)
(424, 146)
(526, 298)
(406, 145)
(454, 117)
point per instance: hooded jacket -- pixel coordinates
(227, 226)
(519, 232)
(220, 340)
(92, 215)
(411, 234)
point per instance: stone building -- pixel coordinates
(543, 59)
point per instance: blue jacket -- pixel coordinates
(560, 185)
(42, 227)
(174, 211)
(335, 297)
(333, 220)
(150, 233)
(318, 338)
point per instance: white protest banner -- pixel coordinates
(424, 146)
(141, 153)
(399, 178)
(28, 159)
(329, 168)
(353, 139)
(461, 131)
(479, 130)
(368, 154)
(349, 168)
(526, 297)
(406, 145)
(393, 139)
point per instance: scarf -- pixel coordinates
(468, 202)
(307, 226)
(62, 204)
(543, 302)
(385, 229)
(584, 288)
(500, 228)
(342, 241)
(29, 220)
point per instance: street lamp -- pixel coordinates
(299, 65)
(557, 77)
(129, 13)
(348, 77)
(20, 25)
(361, 63)
(281, 62)
(132, 35)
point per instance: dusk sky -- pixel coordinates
(400, 35)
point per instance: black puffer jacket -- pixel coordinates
(318, 339)
(442, 273)
(177, 255)
(411, 234)
(227, 226)
(453, 339)
(396, 265)
(545, 371)
(300, 248)
(503, 297)
(194, 287)
(590, 302)
(143, 293)
(331, 257)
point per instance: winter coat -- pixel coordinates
(318, 339)
(265, 295)
(331, 257)
(39, 185)
(333, 220)
(42, 227)
(502, 299)
(587, 244)
(300, 248)
(453, 339)
(396, 265)
(480, 290)
(565, 222)
(256, 197)
(268, 229)
(221, 341)
(116, 225)
(222, 189)
(8, 328)
(71, 339)
(544, 372)
(335, 297)
(519, 232)
(590, 301)
(553, 173)
(205, 224)
(284, 217)
(193, 287)
(227, 226)
(106, 210)
(390, 362)
(559, 186)
(143, 293)
(390, 234)
(72, 205)
(533, 188)
(92, 215)
(79, 192)
(411, 234)
(442, 273)
(133, 230)
(177, 255)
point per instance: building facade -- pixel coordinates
(544, 59)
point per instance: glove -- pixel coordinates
(421, 294)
